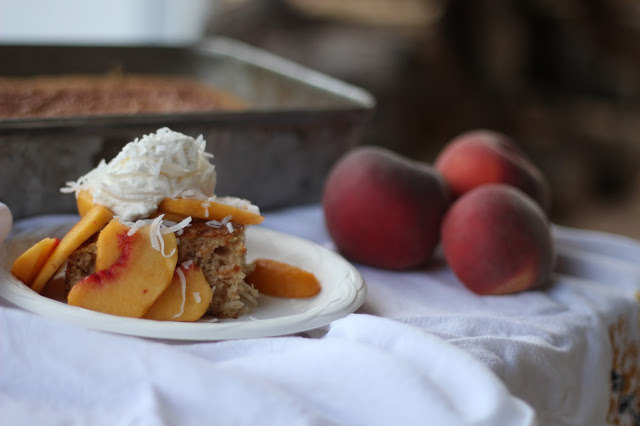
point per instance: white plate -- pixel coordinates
(343, 291)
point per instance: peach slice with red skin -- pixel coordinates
(280, 279)
(27, 266)
(178, 305)
(136, 279)
(208, 210)
(88, 225)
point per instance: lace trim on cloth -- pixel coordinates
(624, 399)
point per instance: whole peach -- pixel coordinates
(497, 240)
(481, 156)
(383, 209)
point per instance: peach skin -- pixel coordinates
(479, 157)
(383, 209)
(136, 279)
(497, 240)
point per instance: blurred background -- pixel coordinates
(562, 78)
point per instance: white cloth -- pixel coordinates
(422, 350)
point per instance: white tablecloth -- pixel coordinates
(421, 350)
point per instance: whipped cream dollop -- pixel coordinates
(165, 164)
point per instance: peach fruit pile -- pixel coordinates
(483, 200)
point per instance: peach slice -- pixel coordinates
(88, 225)
(84, 202)
(109, 245)
(173, 217)
(134, 282)
(281, 279)
(180, 302)
(27, 266)
(209, 210)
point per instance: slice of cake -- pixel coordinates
(221, 255)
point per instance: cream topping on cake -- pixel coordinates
(165, 164)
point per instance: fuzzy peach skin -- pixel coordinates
(481, 156)
(497, 240)
(384, 210)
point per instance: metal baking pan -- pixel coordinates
(276, 153)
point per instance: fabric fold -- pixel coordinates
(421, 350)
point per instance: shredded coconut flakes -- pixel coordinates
(206, 206)
(183, 285)
(178, 227)
(157, 230)
(226, 221)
